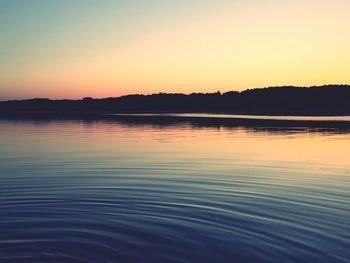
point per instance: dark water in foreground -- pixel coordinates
(107, 191)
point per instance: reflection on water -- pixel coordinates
(246, 116)
(126, 191)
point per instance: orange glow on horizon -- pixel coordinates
(235, 48)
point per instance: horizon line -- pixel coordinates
(180, 93)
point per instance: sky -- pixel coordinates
(104, 48)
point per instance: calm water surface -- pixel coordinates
(106, 191)
(246, 116)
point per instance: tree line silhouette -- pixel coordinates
(328, 99)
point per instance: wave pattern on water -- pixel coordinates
(112, 193)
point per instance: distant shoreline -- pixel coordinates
(170, 113)
(330, 100)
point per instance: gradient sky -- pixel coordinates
(77, 48)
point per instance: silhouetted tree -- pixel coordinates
(329, 99)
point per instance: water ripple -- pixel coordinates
(157, 205)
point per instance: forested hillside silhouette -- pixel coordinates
(329, 99)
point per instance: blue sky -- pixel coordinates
(105, 48)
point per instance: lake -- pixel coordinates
(74, 190)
